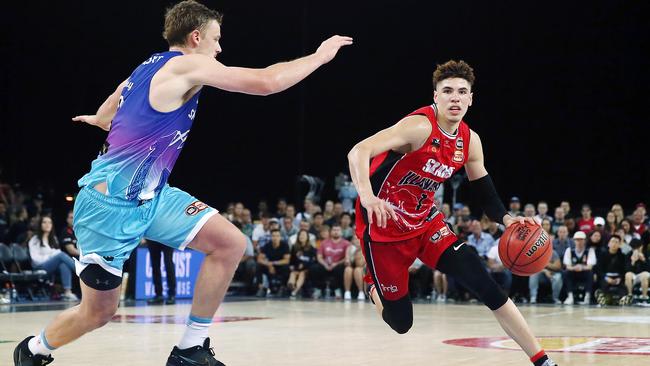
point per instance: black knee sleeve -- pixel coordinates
(398, 314)
(463, 263)
(94, 276)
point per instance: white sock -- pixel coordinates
(38, 345)
(196, 331)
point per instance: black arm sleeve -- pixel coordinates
(490, 201)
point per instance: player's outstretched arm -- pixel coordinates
(106, 111)
(406, 135)
(204, 70)
(481, 182)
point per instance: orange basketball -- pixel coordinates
(525, 249)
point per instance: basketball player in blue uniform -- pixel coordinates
(125, 195)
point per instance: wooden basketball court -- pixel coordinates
(285, 332)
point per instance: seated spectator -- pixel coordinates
(304, 225)
(499, 273)
(611, 268)
(595, 241)
(628, 229)
(330, 263)
(346, 226)
(558, 219)
(542, 213)
(551, 274)
(586, 222)
(515, 207)
(306, 214)
(638, 272)
(562, 242)
(579, 263)
(546, 225)
(247, 225)
(245, 271)
(529, 210)
(625, 246)
(639, 226)
(317, 224)
(566, 206)
(420, 277)
(610, 223)
(483, 242)
(273, 262)
(19, 227)
(617, 209)
(281, 208)
(46, 255)
(570, 223)
(303, 256)
(336, 215)
(288, 229)
(67, 238)
(494, 229)
(355, 268)
(328, 210)
(261, 234)
(440, 287)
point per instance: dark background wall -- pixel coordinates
(560, 98)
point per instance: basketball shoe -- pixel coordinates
(194, 356)
(24, 357)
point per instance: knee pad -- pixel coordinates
(398, 314)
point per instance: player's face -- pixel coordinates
(453, 97)
(209, 40)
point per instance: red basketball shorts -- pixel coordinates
(388, 262)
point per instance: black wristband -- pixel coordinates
(489, 198)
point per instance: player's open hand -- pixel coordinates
(331, 46)
(381, 209)
(91, 120)
(509, 220)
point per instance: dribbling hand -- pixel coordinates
(509, 220)
(331, 46)
(380, 208)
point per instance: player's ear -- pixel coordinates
(471, 98)
(195, 37)
(435, 96)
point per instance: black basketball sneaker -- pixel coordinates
(194, 356)
(24, 357)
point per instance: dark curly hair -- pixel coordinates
(453, 69)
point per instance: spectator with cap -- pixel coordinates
(515, 207)
(542, 212)
(586, 222)
(579, 263)
(558, 219)
(599, 225)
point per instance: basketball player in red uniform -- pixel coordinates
(396, 172)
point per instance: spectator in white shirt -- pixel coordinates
(579, 263)
(46, 255)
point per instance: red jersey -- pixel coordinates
(409, 181)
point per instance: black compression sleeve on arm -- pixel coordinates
(490, 201)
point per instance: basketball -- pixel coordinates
(525, 249)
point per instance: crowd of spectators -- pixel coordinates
(311, 250)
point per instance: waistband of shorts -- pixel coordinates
(110, 200)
